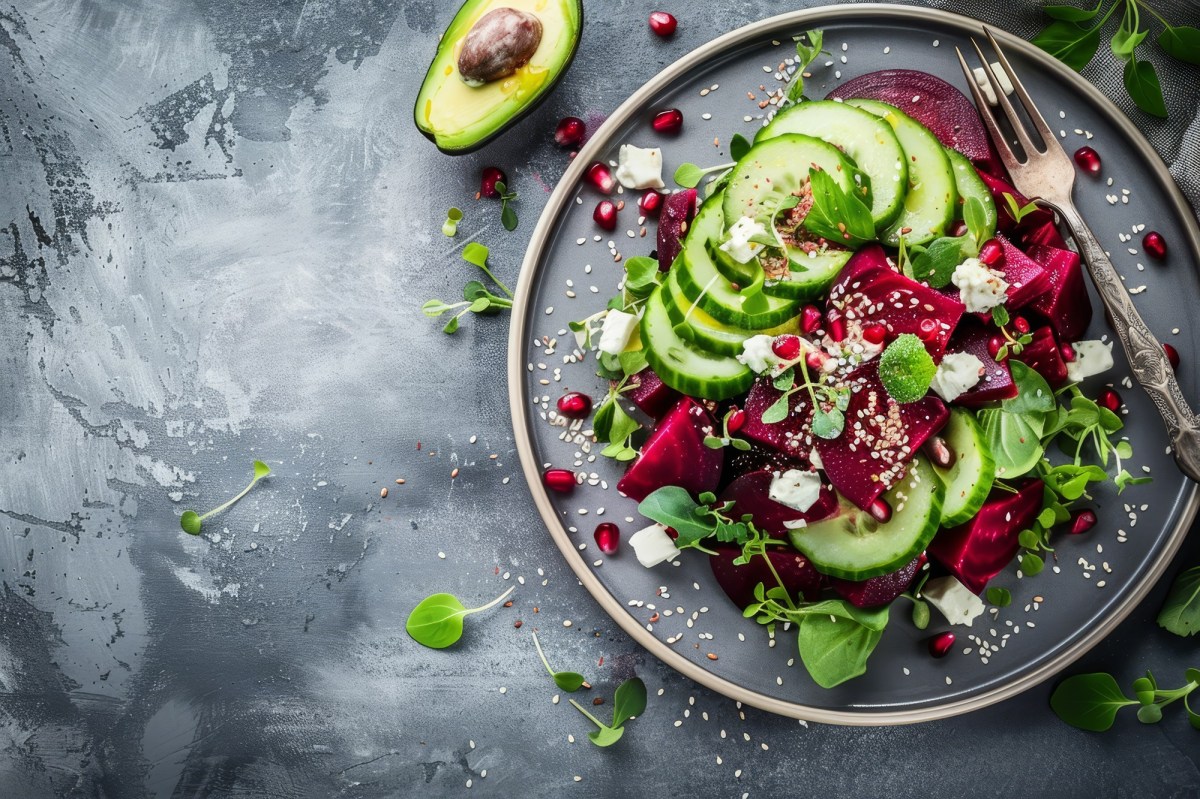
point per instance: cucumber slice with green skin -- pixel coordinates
(932, 196)
(810, 275)
(681, 364)
(693, 324)
(969, 184)
(703, 284)
(863, 136)
(852, 545)
(969, 479)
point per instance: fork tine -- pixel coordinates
(1017, 125)
(989, 118)
(1039, 121)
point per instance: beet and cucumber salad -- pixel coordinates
(859, 369)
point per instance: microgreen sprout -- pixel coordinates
(1017, 210)
(437, 620)
(477, 299)
(1091, 701)
(508, 217)
(629, 701)
(191, 521)
(569, 681)
(689, 175)
(450, 226)
(727, 439)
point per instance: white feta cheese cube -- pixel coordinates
(640, 167)
(1091, 358)
(953, 599)
(956, 374)
(738, 244)
(757, 353)
(795, 489)
(981, 289)
(617, 330)
(653, 546)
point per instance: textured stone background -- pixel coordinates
(218, 223)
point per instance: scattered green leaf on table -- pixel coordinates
(1180, 612)
(569, 681)
(628, 702)
(1089, 701)
(437, 620)
(192, 522)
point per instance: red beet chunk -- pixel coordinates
(1044, 356)
(675, 454)
(877, 590)
(1046, 233)
(1026, 279)
(997, 382)
(673, 223)
(797, 573)
(977, 551)
(790, 436)
(880, 437)
(649, 393)
(1066, 305)
(1005, 222)
(937, 105)
(750, 494)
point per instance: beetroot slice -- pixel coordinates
(790, 436)
(1026, 279)
(947, 112)
(1066, 305)
(1046, 233)
(673, 221)
(799, 576)
(750, 494)
(675, 454)
(649, 393)
(996, 383)
(1044, 357)
(877, 590)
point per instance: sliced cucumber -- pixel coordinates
(969, 184)
(682, 365)
(932, 196)
(810, 274)
(969, 479)
(693, 324)
(863, 136)
(853, 546)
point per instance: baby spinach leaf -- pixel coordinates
(629, 701)
(1070, 43)
(674, 507)
(1089, 701)
(437, 620)
(835, 640)
(569, 681)
(1141, 81)
(1180, 612)
(1182, 42)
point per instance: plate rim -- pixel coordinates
(518, 393)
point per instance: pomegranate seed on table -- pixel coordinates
(574, 405)
(651, 202)
(570, 132)
(1083, 521)
(488, 180)
(662, 23)
(1109, 399)
(1088, 160)
(991, 252)
(560, 480)
(600, 176)
(810, 319)
(939, 645)
(786, 347)
(606, 214)
(608, 537)
(1172, 356)
(1155, 245)
(668, 122)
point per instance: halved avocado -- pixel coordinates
(459, 118)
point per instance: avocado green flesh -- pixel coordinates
(459, 118)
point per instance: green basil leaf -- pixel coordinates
(1182, 42)
(1180, 612)
(837, 216)
(739, 145)
(436, 621)
(1141, 81)
(1070, 43)
(629, 701)
(1089, 701)
(674, 507)
(936, 264)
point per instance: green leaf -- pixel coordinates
(1000, 316)
(606, 736)
(1182, 42)
(1014, 440)
(632, 361)
(688, 175)
(1089, 701)
(1000, 597)
(569, 681)
(641, 275)
(475, 253)
(435, 308)
(778, 410)
(437, 620)
(1149, 714)
(1144, 689)
(1034, 395)
(1016, 210)
(920, 614)
(842, 218)
(450, 226)
(1141, 81)
(906, 369)
(785, 380)
(190, 522)
(976, 218)
(1071, 13)
(1180, 612)
(1032, 564)
(1070, 43)
(473, 290)
(629, 701)
(1126, 39)
(674, 507)
(828, 424)
(835, 643)
(935, 265)
(451, 327)
(508, 217)
(739, 145)
(807, 53)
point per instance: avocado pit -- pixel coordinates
(498, 44)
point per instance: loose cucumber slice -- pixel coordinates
(863, 136)
(682, 365)
(969, 184)
(932, 196)
(853, 546)
(692, 323)
(969, 479)
(810, 275)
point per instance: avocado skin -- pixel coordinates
(466, 9)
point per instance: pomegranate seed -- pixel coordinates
(939, 645)
(957, 228)
(574, 405)
(837, 328)
(1083, 521)
(786, 347)
(608, 537)
(880, 511)
(650, 203)
(991, 253)
(1067, 352)
(995, 344)
(810, 319)
(570, 132)
(668, 122)
(1155, 245)
(561, 480)
(1172, 356)
(1088, 160)
(487, 182)
(736, 419)
(927, 330)
(662, 23)
(599, 175)
(1109, 399)
(874, 334)
(1020, 324)
(939, 452)
(606, 214)
(815, 359)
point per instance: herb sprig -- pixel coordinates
(477, 298)
(629, 701)
(806, 53)
(727, 439)
(841, 217)
(1091, 701)
(437, 620)
(191, 521)
(829, 403)
(569, 681)
(508, 216)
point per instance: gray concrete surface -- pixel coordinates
(218, 225)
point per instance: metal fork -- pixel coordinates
(1047, 176)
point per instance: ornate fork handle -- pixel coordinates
(1146, 356)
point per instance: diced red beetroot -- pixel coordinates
(649, 393)
(977, 551)
(997, 383)
(1005, 222)
(791, 435)
(757, 458)
(1066, 305)
(750, 494)
(1026, 279)
(882, 295)
(877, 590)
(1046, 233)
(937, 105)
(673, 223)
(1043, 355)
(675, 454)
(864, 260)
(798, 575)
(880, 437)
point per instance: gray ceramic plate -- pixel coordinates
(1098, 577)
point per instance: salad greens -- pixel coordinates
(569, 681)
(437, 620)
(1180, 612)
(191, 521)
(806, 53)
(1091, 701)
(508, 216)
(477, 299)
(629, 701)
(450, 226)
(906, 369)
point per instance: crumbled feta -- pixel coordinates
(1091, 358)
(796, 489)
(814, 458)
(956, 374)
(738, 245)
(795, 524)
(981, 79)
(618, 329)
(653, 546)
(980, 287)
(640, 167)
(757, 353)
(953, 599)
